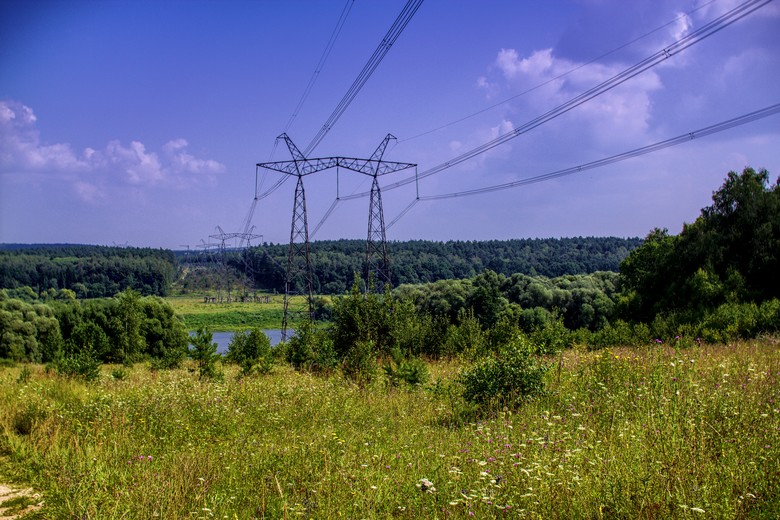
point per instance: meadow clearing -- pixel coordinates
(653, 432)
(233, 316)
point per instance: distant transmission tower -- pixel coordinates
(299, 272)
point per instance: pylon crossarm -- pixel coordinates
(309, 166)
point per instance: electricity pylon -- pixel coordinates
(299, 272)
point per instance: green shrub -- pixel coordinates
(310, 348)
(552, 337)
(204, 352)
(505, 379)
(406, 370)
(769, 316)
(359, 365)
(466, 338)
(82, 365)
(251, 350)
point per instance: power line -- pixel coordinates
(309, 86)
(384, 46)
(636, 152)
(683, 43)
(559, 76)
(321, 62)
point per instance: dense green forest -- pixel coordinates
(88, 271)
(419, 261)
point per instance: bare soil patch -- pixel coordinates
(17, 502)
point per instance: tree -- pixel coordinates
(205, 354)
(251, 350)
(129, 320)
(730, 253)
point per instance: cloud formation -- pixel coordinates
(549, 81)
(92, 171)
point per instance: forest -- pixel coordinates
(419, 261)
(88, 271)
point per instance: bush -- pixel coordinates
(311, 348)
(251, 351)
(205, 354)
(82, 365)
(466, 338)
(402, 370)
(505, 379)
(359, 365)
(619, 333)
(552, 337)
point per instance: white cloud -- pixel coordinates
(94, 171)
(707, 9)
(548, 81)
(682, 26)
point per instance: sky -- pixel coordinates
(141, 122)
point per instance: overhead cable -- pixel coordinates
(636, 152)
(683, 43)
(321, 62)
(384, 46)
(558, 77)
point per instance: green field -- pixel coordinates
(627, 433)
(232, 316)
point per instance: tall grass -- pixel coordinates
(650, 433)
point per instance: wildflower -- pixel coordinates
(426, 486)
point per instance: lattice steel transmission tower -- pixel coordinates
(377, 267)
(299, 272)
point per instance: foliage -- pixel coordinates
(204, 352)
(311, 348)
(86, 271)
(586, 300)
(84, 365)
(506, 378)
(627, 433)
(465, 338)
(422, 262)
(401, 369)
(28, 331)
(730, 254)
(251, 350)
(359, 364)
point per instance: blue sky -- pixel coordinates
(141, 122)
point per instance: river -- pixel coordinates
(223, 339)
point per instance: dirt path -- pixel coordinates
(16, 502)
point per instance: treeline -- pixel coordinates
(419, 261)
(124, 329)
(718, 280)
(88, 271)
(721, 272)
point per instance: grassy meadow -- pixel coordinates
(234, 316)
(624, 433)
